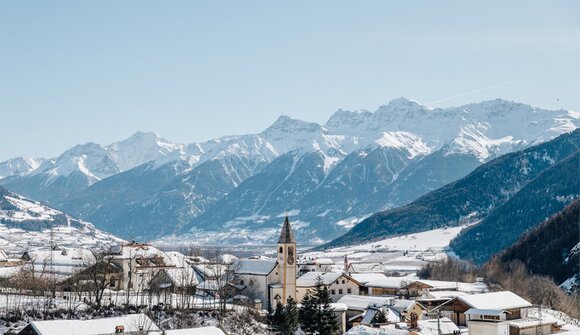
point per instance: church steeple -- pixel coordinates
(286, 236)
(287, 262)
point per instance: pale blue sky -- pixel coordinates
(78, 71)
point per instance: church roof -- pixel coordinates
(286, 236)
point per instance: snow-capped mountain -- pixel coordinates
(85, 164)
(26, 224)
(19, 166)
(327, 176)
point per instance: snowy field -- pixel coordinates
(429, 241)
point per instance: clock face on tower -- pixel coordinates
(290, 255)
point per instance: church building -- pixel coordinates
(270, 280)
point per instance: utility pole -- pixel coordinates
(439, 322)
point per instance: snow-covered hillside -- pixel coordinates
(357, 163)
(27, 224)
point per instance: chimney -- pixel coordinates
(345, 263)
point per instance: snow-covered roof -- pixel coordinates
(477, 287)
(529, 322)
(361, 302)
(364, 278)
(401, 305)
(495, 300)
(131, 323)
(374, 267)
(338, 307)
(145, 254)
(181, 277)
(309, 279)
(196, 331)
(388, 282)
(430, 326)
(324, 261)
(374, 309)
(226, 259)
(364, 330)
(261, 267)
(211, 270)
(476, 311)
(440, 295)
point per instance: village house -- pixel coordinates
(419, 287)
(139, 263)
(271, 281)
(127, 324)
(338, 284)
(175, 280)
(61, 262)
(318, 264)
(131, 324)
(513, 305)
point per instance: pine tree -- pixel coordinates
(381, 317)
(326, 322)
(291, 317)
(277, 318)
(307, 314)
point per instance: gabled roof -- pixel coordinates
(447, 326)
(286, 236)
(362, 302)
(131, 323)
(374, 267)
(494, 300)
(309, 279)
(477, 287)
(261, 267)
(182, 277)
(373, 310)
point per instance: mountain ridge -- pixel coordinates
(387, 158)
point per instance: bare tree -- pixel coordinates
(98, 272)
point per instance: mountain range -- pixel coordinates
(327, 178)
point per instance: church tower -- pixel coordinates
(287, 262)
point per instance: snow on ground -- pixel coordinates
(386, 330)
(432, 240)
(15, 241)
(405, 253)
(26, 224)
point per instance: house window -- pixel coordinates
(343, 281)
(339, 291)
(332, 292)
(337, 282)
(348, 290)
(281, 250)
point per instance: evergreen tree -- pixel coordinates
(381, 317)
(326, 322)
(277, 317)
(307, 314)
(291, 317)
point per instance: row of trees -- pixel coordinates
(315, 315)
